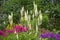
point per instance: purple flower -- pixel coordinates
(46, 35)
(43, 36)
(50, 35)
(57, 36)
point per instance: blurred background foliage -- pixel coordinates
(50, 10)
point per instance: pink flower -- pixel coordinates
(2, 33)
(20, 28)
(25, 29)
(11, 31)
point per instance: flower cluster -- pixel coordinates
(50, 35)
(20, 29)
(17, 28)
(2, 33)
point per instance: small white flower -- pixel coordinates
(22, 10)
(35, 8)
(26, 16)
(10, 17)
(4, 22)
(40, 17)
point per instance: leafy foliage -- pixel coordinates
(52, 6)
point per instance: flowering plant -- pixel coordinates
(50, 35)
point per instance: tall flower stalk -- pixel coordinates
(36, 12)
(22, 11)
(29, 24)
(26, 16)
(10, 17)
(35, 9)
(40, 18)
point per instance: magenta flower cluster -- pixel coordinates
(50, 35)
(20, 29)
(17, 28)
(2, 33)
